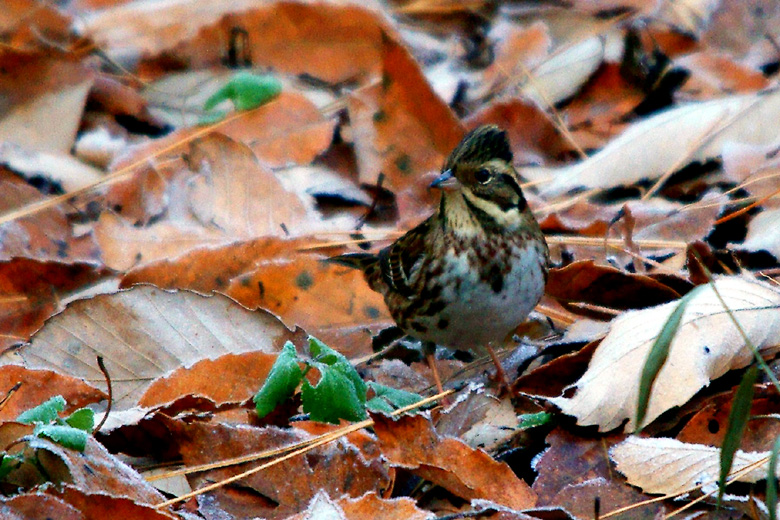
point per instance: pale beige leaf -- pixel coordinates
(763, 233)
(564, 72)
(62, 168)
(30, 124)
(706, 346)
(692, 16)
(150, 26)
(668, 466)
(668, 141)
(144, 333)
(227, 196)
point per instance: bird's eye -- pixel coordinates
(482, 176)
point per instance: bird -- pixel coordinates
(469, 274)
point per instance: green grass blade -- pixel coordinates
(658, 354)
(738, 418)
(771, 482)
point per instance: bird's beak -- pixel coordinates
(446, 182)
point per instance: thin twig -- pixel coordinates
(110, 394)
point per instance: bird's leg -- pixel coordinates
(429, 349)
(503, 381)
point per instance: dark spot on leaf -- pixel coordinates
(403, 162)
(386, 80)
(304, 280)
(219, 282)
(245, 281)
(260, 289)
(706, 350)
(443, 324)
(371, 312)
(713, 426)
(380, 116)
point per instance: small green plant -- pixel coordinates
(71, 432)
(245, 90)
(340, 393)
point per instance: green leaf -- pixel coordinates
(377, 404)
(83, 419)
(658, 354)
(738, 418)
(324, 354)
(771, 482)
(283, 379)
(339, 394)
(246, 91)
(66, 436)
(392, 398)
(532, 420)
(43, 413)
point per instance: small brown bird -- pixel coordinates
(467, 276)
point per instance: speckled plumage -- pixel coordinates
(468, 275)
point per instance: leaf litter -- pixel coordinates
(646, 138)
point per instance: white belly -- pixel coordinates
(478, 314)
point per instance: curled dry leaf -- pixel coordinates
(706, 346)
(668, 466)
(411, 442)
(143, 334)
(651, 147)
(607, 286)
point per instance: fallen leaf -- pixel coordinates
(39, 385)
(706, 346)
(330, 302)
(226, 196)
(338, 468)
(584, 281)
(669, 467)
(411, 442)
(709, 424)
(247, 373)
(32, 291)
(143, 334)
(403, 130)
(649, 148)
(54, 89)
(762, 233)
(46, 235)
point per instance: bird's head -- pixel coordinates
(478, 177)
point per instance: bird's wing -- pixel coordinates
(401, 262)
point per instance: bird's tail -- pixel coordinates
(361, 261)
